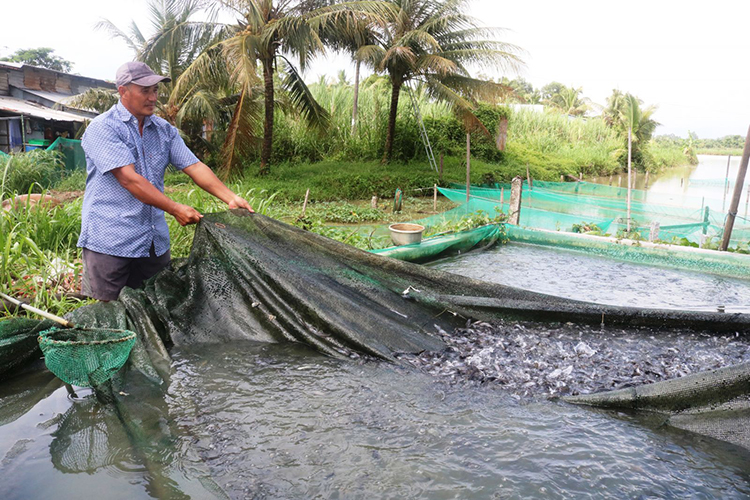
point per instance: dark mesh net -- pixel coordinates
(715, 403)
(249, 277)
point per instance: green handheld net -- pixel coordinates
(85, 357)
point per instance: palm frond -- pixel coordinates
(115, 32)
(303, 100)
(97, 99)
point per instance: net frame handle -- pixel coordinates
(34, 310)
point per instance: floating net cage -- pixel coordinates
(566, 206)
(85, 357)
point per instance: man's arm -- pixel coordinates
(144, 191)
(207, 180)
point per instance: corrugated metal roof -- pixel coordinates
(50, 96)
(13, 105)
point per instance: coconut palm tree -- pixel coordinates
(175, 43)
(568, 101)
(266, 32)
(355, 34)
(435, 42)
(624, 112)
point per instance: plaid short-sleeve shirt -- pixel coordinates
(113, 221)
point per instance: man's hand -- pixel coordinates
(238, 202)
(185, 214)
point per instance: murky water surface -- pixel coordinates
(581, 276)
(279, 421)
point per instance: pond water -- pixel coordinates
(279, 421)
(582, 276)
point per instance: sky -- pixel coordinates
(688, 58)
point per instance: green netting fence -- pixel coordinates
(567, 206)
(707, 261)
(72, 152)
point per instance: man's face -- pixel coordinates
(141, 101)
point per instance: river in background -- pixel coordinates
(690, 186)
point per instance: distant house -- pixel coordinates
(33, 110)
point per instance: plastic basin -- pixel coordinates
(404, 233)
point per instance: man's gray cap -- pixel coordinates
(138, 73)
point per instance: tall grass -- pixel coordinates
(30, 172)
(550, 143)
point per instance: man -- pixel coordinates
(124, 235)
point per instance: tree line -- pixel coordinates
(229, 79)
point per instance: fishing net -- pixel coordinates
(714, 403)
(251, 278)
(18, 342)
(85, 357)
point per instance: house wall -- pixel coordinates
(51, 81)
(4, 87)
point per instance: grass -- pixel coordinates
(30, 172)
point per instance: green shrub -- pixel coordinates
(30, 172)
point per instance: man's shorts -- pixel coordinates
(105, 275)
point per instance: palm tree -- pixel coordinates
(355, 33)
(568, 101)
(175, 44)
(434, 41)
(625, 112)
(265, 32)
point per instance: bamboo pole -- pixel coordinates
(304, 205)
(739, 183)
(434, 198)
(441, 166)
(726, 184)
(528, 177)
(468, 165)
(630, 180)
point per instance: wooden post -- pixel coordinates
(747, 199)
(630, 152)
(562, 178)
(726, 185)
(374, 202)
(619, 181)
(580, 176)
(441, 167)
(434, 198)
(646, 185)
(528, 177)
(502, 195)
(737, 193)
(304, 205)
(468, 165)
(516, 186)
(610, 180)
(653, 234)
(23, 135)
